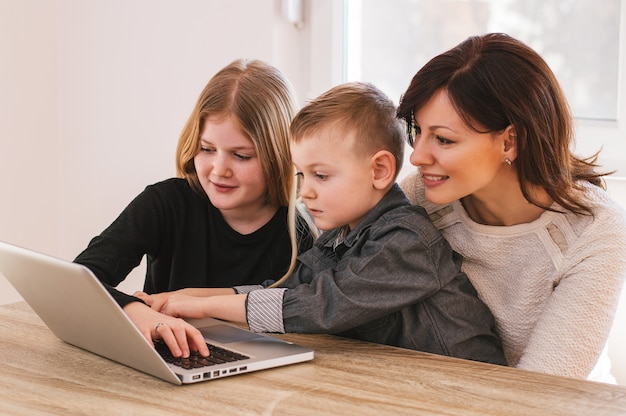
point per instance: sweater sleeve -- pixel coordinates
(573, 329)
(120, 247)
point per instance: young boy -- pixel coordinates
(381, 271)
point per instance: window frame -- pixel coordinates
(328, 33)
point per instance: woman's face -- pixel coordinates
(454, 160)
(229, 168)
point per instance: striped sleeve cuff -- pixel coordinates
(246, 288)
(264, 310)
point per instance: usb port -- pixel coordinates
(244, 368)
(232, 370)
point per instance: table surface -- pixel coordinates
(43, 375)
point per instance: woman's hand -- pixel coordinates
(179, 336)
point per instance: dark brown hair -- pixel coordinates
(494, 81)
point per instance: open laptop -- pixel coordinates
(72, 302)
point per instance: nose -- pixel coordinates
(306, 191)
(221, 166)
(421, 154)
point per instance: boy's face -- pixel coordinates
(336, 184)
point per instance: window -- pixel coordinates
(387, 42)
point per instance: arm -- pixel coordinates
(226, 307)
(401, 263)
(573, 328)
(146, 227)
(121, 246)
(157, 300)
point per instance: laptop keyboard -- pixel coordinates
(217, 355)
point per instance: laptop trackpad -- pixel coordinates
(225, 334)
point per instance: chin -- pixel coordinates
(438, 198)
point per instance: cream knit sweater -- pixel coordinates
(552, 285)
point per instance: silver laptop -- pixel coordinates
(80, 311)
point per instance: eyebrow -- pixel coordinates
(435, 127)
(248, 147)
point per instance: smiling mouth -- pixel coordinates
(222, 187)
(435, 177)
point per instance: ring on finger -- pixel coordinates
(156, 328)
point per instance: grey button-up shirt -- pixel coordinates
(393, 280)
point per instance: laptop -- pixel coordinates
(76, 307)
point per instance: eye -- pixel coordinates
(443, 140)
(205, 149)
(242, 157)
(299, 174)
(321, 176)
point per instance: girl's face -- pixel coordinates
(229, 169)
(454, 160)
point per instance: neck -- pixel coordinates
(504, 207)
(249, 221)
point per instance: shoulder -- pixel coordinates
(413, 187)
(402, 217)
(173, 187)
(609, 217)
(170, 192)
(169, 185)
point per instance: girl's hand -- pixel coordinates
(155, 301)
(185, 306)
(179, 336)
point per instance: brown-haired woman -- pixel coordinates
(543, 243)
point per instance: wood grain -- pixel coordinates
(42, 375)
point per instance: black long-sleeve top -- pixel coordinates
(187, 243)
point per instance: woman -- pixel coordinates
(544, 245)
(228, 219)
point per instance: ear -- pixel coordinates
(383, 169)
(509, 138)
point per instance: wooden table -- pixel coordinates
(43, 375)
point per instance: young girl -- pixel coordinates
(542, 242)
(228, 219)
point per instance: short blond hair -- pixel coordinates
(355, 108)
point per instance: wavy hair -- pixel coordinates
(494, 81)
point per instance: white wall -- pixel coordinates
(93, 95)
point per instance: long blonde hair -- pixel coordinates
(263, 102)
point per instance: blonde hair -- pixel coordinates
(263, 102)
(358, 108)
